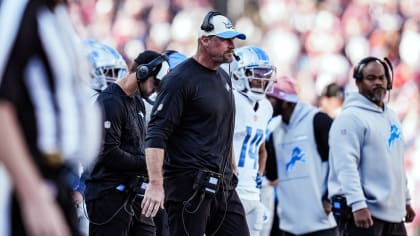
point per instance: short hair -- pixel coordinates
(333, 90)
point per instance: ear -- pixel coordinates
(204, 40)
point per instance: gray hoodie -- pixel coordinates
(302, 174)
(367, 159)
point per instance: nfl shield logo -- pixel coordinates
(107, 124)
(227, 87)
(160, 107)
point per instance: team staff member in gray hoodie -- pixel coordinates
(367, 156)
(300, 144)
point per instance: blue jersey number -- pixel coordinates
(250, 144)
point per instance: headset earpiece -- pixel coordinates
(145, 70)
(206, 25)
(142, 72)
(390, 76)
(356, 72)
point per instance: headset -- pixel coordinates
(206, 25)
(145, 70)
(389, 70)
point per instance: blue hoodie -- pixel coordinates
(367, 159)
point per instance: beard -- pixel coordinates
(227, 59)
(138, 91)
(377, 95)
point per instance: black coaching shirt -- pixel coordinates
(193, 120)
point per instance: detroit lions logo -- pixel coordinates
(394, 135)
(228, 25)
(297, 155)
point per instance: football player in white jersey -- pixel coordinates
(252, 72)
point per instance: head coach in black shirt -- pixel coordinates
(117, 180)
(191, 127)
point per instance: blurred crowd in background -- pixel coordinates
(315, 41)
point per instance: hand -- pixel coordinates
(326, 204)
(274, 183)
(42, 216)
(258, 179)
(362, 218)
(153, 199)
(409, 217)
(77, 198)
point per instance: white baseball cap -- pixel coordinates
(174, 58)
(222, 28)
(164, 69)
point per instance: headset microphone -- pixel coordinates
(236, 57)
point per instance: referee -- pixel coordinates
(47, 121)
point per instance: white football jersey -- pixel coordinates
(149, 106)
(249, 134)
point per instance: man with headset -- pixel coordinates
(106, 65)
(192, 128)
(367, 173)
(118, 178)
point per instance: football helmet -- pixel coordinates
(252, 72)
(106, 64)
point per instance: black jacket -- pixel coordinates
(122, 154)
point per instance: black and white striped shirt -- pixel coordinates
(41, 75)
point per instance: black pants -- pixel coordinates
(65, 201)
(275, 227)
(113, 215)
(161, 222)
(219, 215)
(379, 228)
(326, 232)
